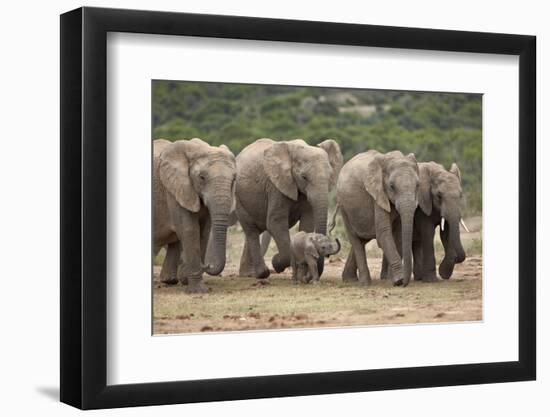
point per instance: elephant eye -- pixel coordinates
(202, 177)
(304, 177)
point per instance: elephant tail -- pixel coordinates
(332, 223)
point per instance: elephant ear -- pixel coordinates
(310, 248)
(454, 170)
(174, 173)
(278, 166)
(425, 190)
(225, 148)
(374, 183)
(335, 158)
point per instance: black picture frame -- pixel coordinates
(84, 207)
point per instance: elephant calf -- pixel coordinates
(306, 249)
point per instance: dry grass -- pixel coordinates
(237, 303)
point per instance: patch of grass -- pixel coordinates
(238, 303)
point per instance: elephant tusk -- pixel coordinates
(443, 224)
(464, 225)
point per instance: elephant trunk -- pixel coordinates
(454, 252)
(219, 217)
(406, 211)
(336, 247)
(219, 237)
(456, 243)
(320, 215)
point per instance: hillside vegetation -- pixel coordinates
(443, 127)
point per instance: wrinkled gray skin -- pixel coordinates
(307, 248)
(440, 196)
(193, 186)
(374, 191)
(279, 184)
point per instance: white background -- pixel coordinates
(29, 218)
(133, 60)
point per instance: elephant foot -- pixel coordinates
(182, 275)
(396, 276)
(246, 272)
(446, 269)
(197, 288)
(429, 277)
(397, 279)
(349, 275)
(365, 281)
(279, 264)
(350, 278)
(263, 273)
(398, 282)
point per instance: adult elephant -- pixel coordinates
(375, 191)
(439, 201)
(193, 185)
(279, 184)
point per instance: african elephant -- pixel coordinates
(193, 186)
(279, 184)
(374, 191)
(307, 248)
(439, 201)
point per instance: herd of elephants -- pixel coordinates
(199, 190)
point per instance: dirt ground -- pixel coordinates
(236, 303)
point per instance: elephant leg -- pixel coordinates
(386, 242)
(360, 256)
(312, 269)
(350, 268)
(265, 241)
(246, 267)
(252, 256)
(428, 255)
(277, 224)
(417, 260)
(188, 231)
(206, 241)
(169, 271)
(384, 269)
(294, 267)
(306, 276)
(358, 249)
(281, 260)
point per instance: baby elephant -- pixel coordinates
(306, 249)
